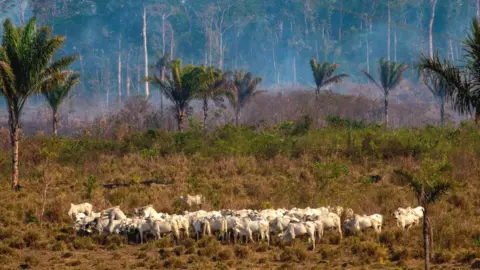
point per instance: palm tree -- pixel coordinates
(162, 64)
(210, 83)
(241, 87)
(26, 67)
(180, 88)
(323, 75)
(57, 94)
(390, 76)
(428, 190)
(463, 83)
(439, 88)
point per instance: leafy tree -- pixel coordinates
(464, 92)
(180, 88)
(241, 87)
(57, 94)
(323, 74)
(429, 185)
(26, 67)
(210, 82)
(390, 76)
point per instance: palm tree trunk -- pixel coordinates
(317, 92)
(205, 114)
(54, 124)
(386, 111)
(426, 239)
(180, 118)
(15, 138)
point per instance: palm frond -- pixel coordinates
(371, 79)
(416, 185)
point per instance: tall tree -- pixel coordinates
(323, 75)
(429, 185)
(210, 86)
(180, 88)
(56, 95)
(464, 92)
(390, 76)
(241, 88)
(26, 67)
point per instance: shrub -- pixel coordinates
(225, 255)
(164, 254)
(83, 243)
(6, 250)
(400, 254)
(443, 256)
(369, 252)
(179, 250)
(293, 254)
(174, 262)
(262, 247)
(466, 256)
(74, 263)
(32, 260)
(59, 246)
(31, 237)
(241, 252)
(90, 187)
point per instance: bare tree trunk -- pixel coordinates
(388, 32)
(450, 46)
(433, 3)
(477, 9)
(163, 35)
(128, 82)
(55, 123)
(172, 43)
(426, 238)
(368, 53)
(14, 138)
(145, 51)
(119, 70)
(386, 111)
(294, 67)
(205, 114)
(442, 111)
(395, 46)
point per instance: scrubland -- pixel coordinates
(280, 165)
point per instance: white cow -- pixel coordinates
(298, 229)
(141, 225)
(241, 229)
(115, 212)
(218, 224)
(159, 227)
(361, 223)
(192, 200)
(75, 209)
(418, 211)
(407, 220)
(330, 221)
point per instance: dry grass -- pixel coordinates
(238, 168)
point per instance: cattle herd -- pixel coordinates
(236, 225)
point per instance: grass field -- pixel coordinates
(285, 165)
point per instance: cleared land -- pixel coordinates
(283, 166)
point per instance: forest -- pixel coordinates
(372, 107)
